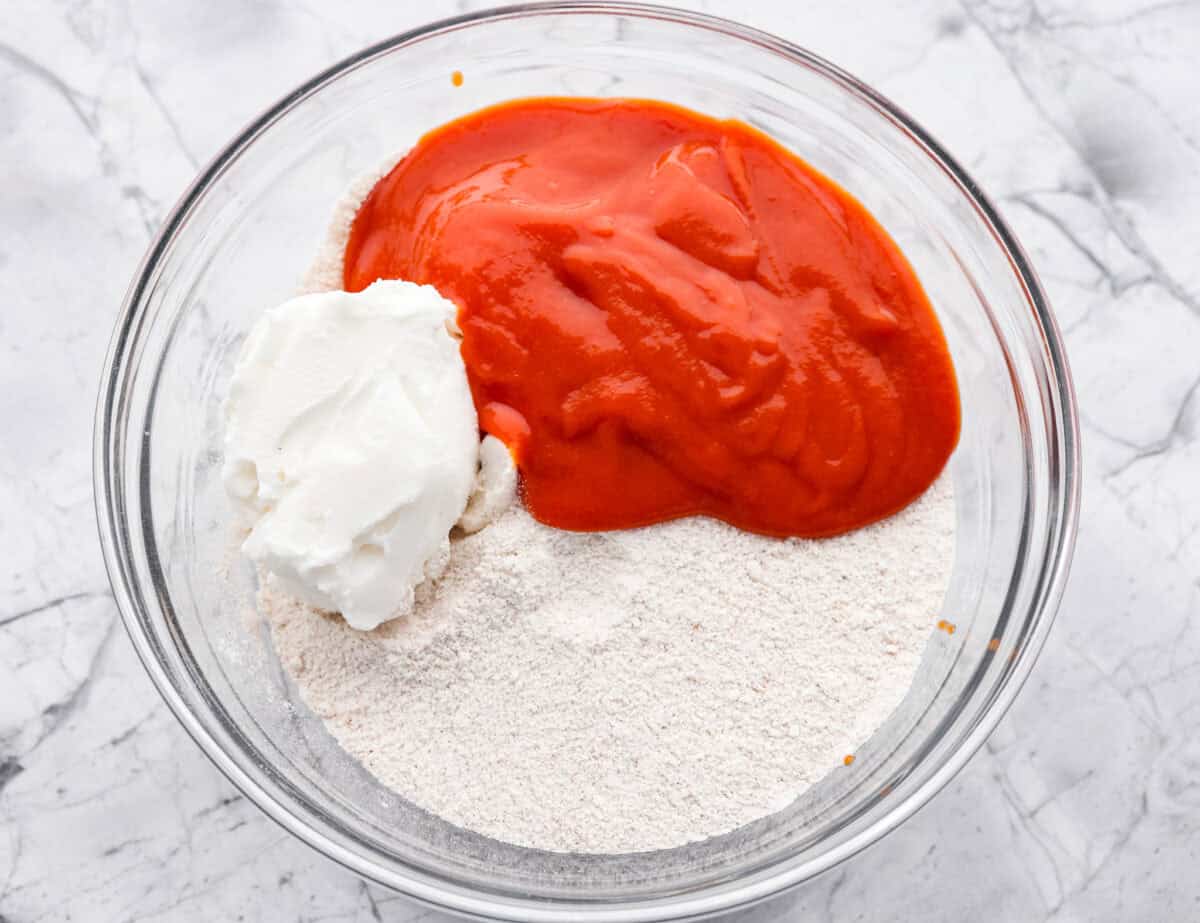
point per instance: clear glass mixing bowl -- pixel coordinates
(240, 240)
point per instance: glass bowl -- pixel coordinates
(240, 240)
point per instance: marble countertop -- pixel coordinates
(1079, 118)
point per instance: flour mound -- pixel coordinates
(632, 690)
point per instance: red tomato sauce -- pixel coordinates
(666, 315)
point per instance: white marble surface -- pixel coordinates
(1079, 118)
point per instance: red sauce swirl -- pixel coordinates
(664, 315)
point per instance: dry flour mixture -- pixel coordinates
(632, 690)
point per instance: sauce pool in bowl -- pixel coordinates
(664, 315)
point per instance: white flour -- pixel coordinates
(629, 690)
(325, 273)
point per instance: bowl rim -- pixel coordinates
(419, 884)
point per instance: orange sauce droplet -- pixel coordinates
(849, 758)
(994, 645)
(947, 627)
(456, 78)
